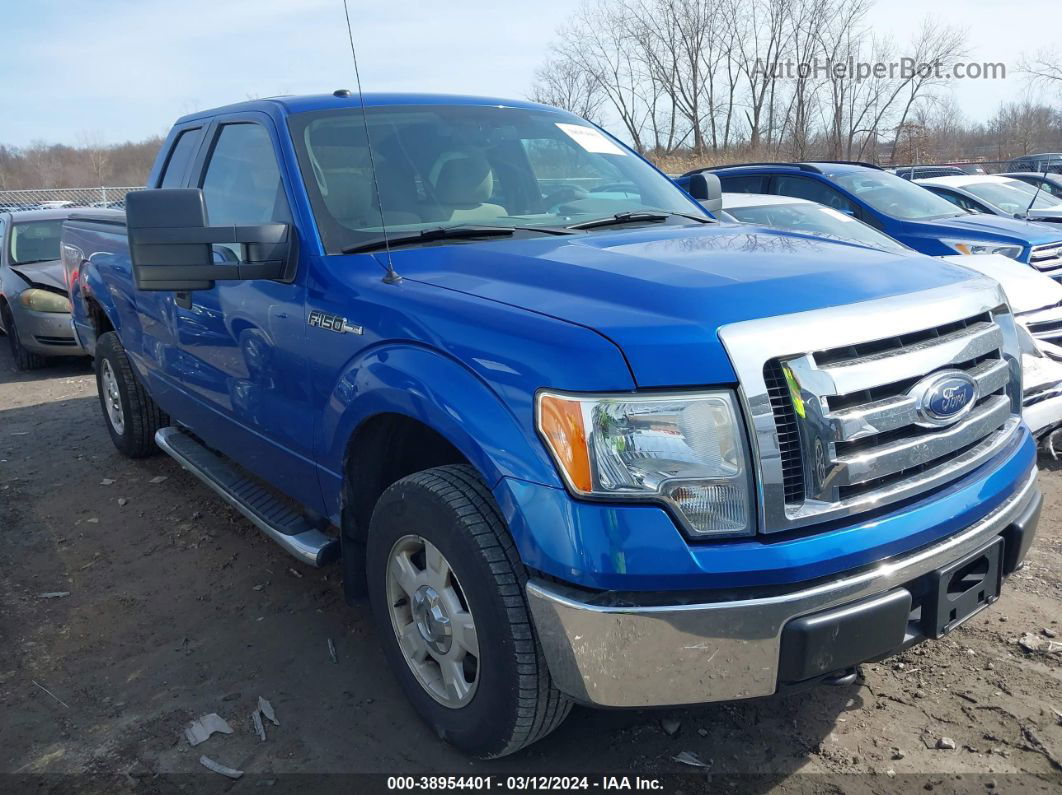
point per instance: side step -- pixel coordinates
(272, 516)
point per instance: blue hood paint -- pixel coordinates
(1020, 230)
(661, 293)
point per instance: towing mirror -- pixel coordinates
(170, 243)
(707, 189)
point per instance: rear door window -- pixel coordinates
(813, 190)
(959, 200)
(750, 184)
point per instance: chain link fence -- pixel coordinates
(55, 198)
(1051, 163)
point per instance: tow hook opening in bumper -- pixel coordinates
(684, 654)
(842, 679)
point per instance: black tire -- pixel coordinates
(515, 702)
(24, 360)
(141, 416)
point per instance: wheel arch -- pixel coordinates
(404, 408)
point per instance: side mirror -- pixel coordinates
(170, 243)
(706, 189)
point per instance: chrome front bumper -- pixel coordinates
(716, 651)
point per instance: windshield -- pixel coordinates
(895, 196)
(444, 166)
(1011, 196)
(814, 219)
(35, 241)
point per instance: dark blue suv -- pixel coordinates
(909, 213)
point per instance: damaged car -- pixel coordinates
(34, 307)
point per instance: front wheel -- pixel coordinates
(447, 592)
(24, 360)
(132, 417)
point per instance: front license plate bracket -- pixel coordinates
(963, 589)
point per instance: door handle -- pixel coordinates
(183, 299)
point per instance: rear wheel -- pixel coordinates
(447, 592)
(24, 359)
(132, 417)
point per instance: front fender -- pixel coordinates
(442, 393)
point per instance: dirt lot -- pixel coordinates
(177, 607)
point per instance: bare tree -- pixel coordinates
(563, 84)
(842, 37)
(681, 48)
(714, 78)
(1044, 68)
(97, 154)
(761, 33)
(936, 46)
(599, 41)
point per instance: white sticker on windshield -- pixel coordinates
(837, 214)
(590, 139)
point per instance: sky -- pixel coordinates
(116, 70)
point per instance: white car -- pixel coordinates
(1035, 299)
(986, 193)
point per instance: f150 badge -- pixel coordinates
(319, 319)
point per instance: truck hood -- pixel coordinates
(1016, 229)
(43, 274)
(1026, 288)
(662, 293)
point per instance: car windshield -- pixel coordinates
(815, 219)
(895, 196)
(35, 241)
(461, 165)
(1011, 196)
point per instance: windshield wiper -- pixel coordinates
(647, 216)
(463, 232)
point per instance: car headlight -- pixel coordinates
(980, 247)
(44, 301)
(685, 450)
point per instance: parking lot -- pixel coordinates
(134, 601)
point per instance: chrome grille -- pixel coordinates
(788, 434)
(1047, 258)
(837, 422)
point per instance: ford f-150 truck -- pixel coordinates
(575, 440)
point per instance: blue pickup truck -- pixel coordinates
(575, 440)
(902, 210)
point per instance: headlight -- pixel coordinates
(687, 451)
(44, 301)
(980, 247)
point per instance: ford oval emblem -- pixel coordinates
(944, 398)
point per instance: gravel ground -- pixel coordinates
(176, 606)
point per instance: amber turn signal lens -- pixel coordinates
(561, 422)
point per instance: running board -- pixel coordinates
(272, 516)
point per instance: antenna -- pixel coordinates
(392, 276)
(1039, 187)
